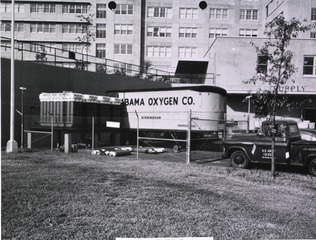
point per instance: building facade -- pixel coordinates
(168, 32)
(162, 32)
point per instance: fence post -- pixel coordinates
(137, 145)
(52, 134)
(67, 142)
(29, 140)
(189, 138)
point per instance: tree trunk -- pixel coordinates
(273, 156)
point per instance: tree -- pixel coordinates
(87, 37)
(280, 32)
(41, 55)
(144, 71)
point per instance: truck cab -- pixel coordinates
(244, 149)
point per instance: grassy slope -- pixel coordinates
(80, 196)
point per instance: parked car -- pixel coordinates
(308, 134)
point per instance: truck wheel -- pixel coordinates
(239, 159)
(312, 167)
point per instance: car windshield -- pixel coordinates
(293, 129)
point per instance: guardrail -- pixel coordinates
(43, 54)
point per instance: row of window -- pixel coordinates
(309, 64)
(128, 9)
(43, 8)
(152, 51)
(6, 7)
(192, 13)
(127, 29)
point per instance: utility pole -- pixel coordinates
(12, 145)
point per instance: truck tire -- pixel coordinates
(239, 159)
(312, 167)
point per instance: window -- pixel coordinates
(187, 52)
(43, 8)
(309, 67)
(19, 27)
(43, 28)
(159, 32)
(101, 10)
(159, 12)
(262, 64)
(5, 45)
(75, 8)
(313, 34)
(73, 28)
(123, 67)
(248, 32)
(5, 27)
(73, 47)
(218, 13)
(49, 8)
(48, 47)
(313, 16)
(124, 9)
(187, 32)
(123, 49)
(6, 7)
(100, 30)
(215, 32)
(124, 29)
(100, 50)
(249, 14)
(189, 13)
(158, 51)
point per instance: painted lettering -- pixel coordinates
(134, 102)
(292, 88)
(187, 100)
(159, 101)
(163, 101)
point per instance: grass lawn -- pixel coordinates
(81, 196)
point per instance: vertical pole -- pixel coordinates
(225, 126)
(12, 145)
(92, 143)
(55, 57)
(29, 140)
(22, 51)
(248, 116)
(52, 133)
(189, 138)
(137, 145)
(22, 116)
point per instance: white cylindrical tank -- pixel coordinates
(168, 108)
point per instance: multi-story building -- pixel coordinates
(162, 32)
(209, 37)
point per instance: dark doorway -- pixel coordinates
(309, 114)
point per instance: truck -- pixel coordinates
(251, 148)
(164, 113)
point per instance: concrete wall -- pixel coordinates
(39, 78)
(234, 60)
